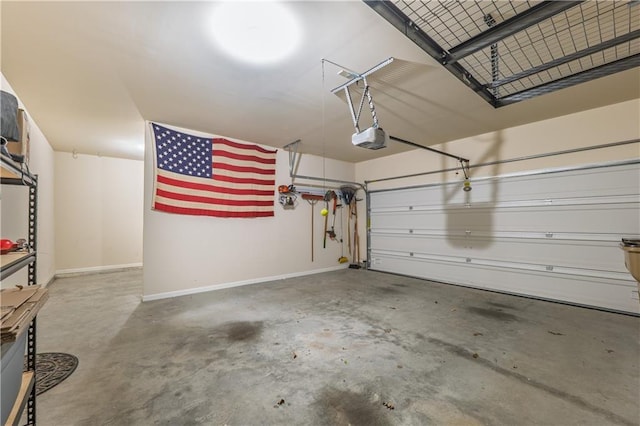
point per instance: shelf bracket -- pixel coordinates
(294, 162)
(294, 158)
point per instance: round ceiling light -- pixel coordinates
(258, 32)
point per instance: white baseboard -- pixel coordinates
(169, 294)
(51, 280)
(96, 269)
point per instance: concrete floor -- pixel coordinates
(332, 349)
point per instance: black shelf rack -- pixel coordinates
(14, 173)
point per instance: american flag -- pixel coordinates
(212, 177)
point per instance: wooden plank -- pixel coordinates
(14, 297)
(9, 168)
(8, 259)
(4, 312)
(12, 322)
(23, 315)
(28, 380)
(38, 294)
(19, 321)
(14, 263)
(12, 173)
(8, 174)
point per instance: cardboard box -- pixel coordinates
(19, 312)
(21, 147)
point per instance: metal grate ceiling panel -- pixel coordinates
(509, 51)
(453, 22)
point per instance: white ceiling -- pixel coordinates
(90, 73)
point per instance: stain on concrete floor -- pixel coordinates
(344, 407)
(241, 331)
(495, 314)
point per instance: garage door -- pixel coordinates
(550, 234)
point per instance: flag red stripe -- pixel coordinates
(227, 154)
(217, 165)
(212, 188)
(218, 141)
(215, 213)
(211, 200)
(232, 179)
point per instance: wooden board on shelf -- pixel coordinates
(8, 259)
(9, 169)
(12, 298)
(6, 173)
(21, 400)
(15, 297)
(18, 321)
(12, 172)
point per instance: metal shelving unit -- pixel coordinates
(13, 262)
(509, 51)
(13, 173)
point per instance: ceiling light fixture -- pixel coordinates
(256, 32)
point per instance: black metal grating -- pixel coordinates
(584, 36)
(450, 23)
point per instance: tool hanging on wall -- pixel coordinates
(332, 231)
(349, 226)
(312, 200)
(325, 212)
(356, 236)
(330, 196)
(348, 195)
(342, 258)
(287, 196)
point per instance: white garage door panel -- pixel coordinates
(553, 234)
(620, 218)
(594, 255)
(568, 184)
(611, 294)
